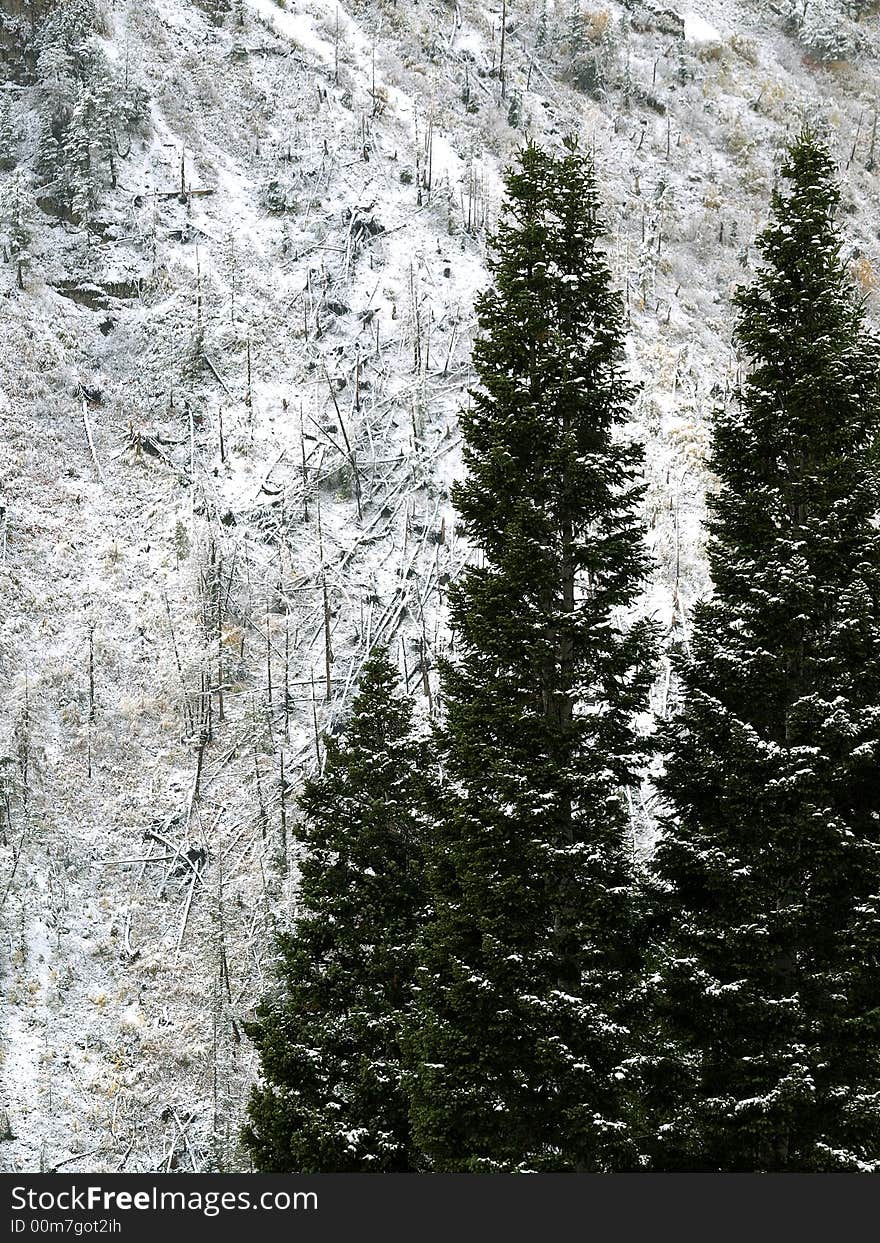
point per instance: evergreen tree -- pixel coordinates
(84, 104)
(519, 1043)
(767, 983)
(215, 9)
(81, 167)
(332, 1098)
(823, 28)
(9, 137)
(16, 222)
(19, 23)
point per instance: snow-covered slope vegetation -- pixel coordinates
(235, 323)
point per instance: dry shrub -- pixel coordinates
(865, 274)
(710, 52)
(745, 49)
(597, 25)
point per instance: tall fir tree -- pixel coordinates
(767, 983)
(519, 1043)
(331, 1099)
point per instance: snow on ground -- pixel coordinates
(273, 418)
(698, 30)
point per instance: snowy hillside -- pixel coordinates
(227, 437)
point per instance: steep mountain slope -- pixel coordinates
(227, 434)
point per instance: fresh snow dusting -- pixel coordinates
(699, 30)
(228, 438)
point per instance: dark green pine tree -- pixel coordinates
(768, 977)
(520, 1043)
(331, 1098)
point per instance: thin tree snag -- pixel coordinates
(305, 469)
(187, 711)
(169, 845)
(502, 74)
(317, 732)
(217, 376)
(269, 688)
(88, 427)
(282, 790)
(287, 675)
(351, 457)
(91, 720)
(200, 760)
(106, 863)
(328, 650)
(16, 857)
(79, 1156)
(186, 909)
(183, 194)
